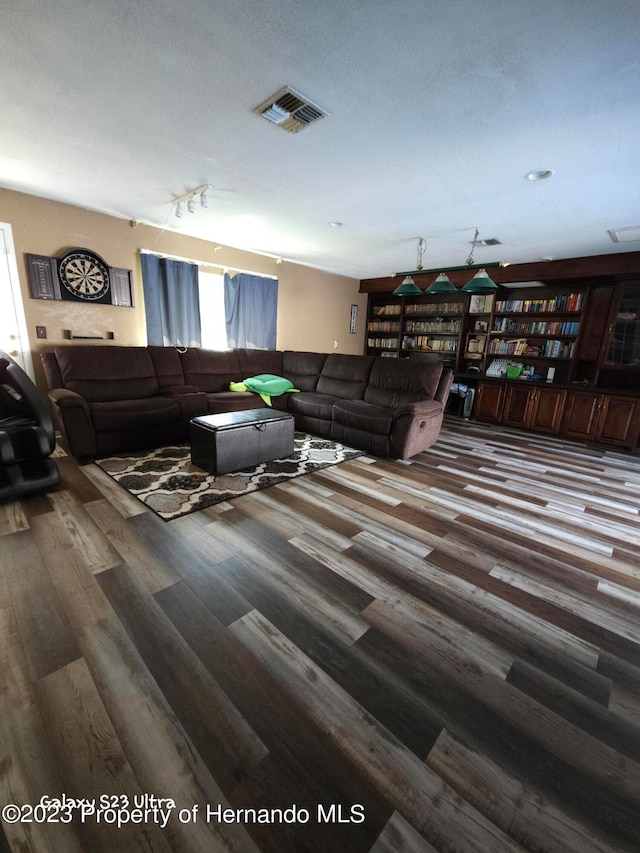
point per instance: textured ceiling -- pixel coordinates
(437, 110)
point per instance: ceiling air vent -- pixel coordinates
(290, 110)
(625, 235)
(489, 241)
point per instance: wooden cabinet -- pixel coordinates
(619, 421)
(584, 415)
(488, 402)
(606, 418)
(534, 408)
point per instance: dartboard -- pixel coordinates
(84, 275)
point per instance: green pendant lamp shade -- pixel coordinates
(480, 283)
(441, 285)
(407, 288)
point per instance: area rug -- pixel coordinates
(165, 480)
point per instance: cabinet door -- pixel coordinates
(546, 408)
(619, 421)
(622, 347)
(582, 413)
(488, 402)
(594, 324)
(516, 405)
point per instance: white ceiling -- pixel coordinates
(437, 108)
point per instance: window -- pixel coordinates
(212, 319)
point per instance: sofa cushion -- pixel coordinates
(303, 368)
(394, 383)
(362, 416)
(254, 361)
(210, 370)
(166, 362)
(311, 405)
(134, 414)
(104, 373)
(345, 376)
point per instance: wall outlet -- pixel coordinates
(335, 344)
(41, 331)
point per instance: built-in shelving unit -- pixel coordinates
(560, 354)
(416, 325)
(383, 326)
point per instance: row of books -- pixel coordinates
(383, 343)
(444, 327)
(542, 327)
(426, 342)
(567, 303)
(558, 349)
(379, 310)
(383, 326)
(434, 308)
(520, 346)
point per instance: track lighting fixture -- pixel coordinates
(189, 198)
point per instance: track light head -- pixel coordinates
(188, 199)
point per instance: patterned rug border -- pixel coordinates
(165, 480)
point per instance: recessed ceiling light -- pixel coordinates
(336, 224)
(539, 174)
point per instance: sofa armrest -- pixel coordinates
(73, 419)
(416, 426)
(444, 386)
(66, 399)
(192, 403)
(420, 407)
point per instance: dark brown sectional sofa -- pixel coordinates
(108, 399)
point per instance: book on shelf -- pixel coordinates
(568, 303)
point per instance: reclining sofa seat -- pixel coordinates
(400, 413)
(341, 377)
(109, 398)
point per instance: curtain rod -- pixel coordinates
(204, 263)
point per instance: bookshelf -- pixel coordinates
(384, 323)
(426, 325)
(528, 332)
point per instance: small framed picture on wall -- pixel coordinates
(353, 321)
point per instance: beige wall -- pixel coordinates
(313, 306)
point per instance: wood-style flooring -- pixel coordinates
(440, 655)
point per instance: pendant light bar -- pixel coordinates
(480, 283)
(437, 270)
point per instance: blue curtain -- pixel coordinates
(171, 302)
(251, 309)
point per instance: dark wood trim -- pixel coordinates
(615, 267)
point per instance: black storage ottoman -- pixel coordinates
(232, 441)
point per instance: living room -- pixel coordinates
(432, 653)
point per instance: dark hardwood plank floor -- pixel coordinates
(434, 655)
